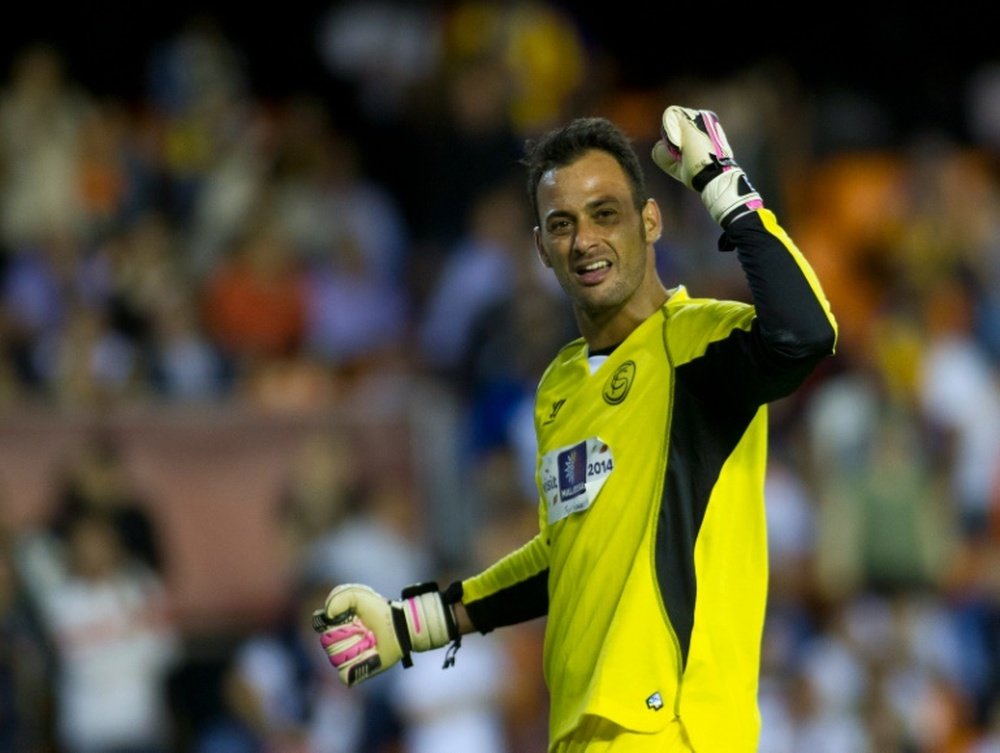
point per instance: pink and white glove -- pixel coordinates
(352, 650)
(364, 634)
(694, 150)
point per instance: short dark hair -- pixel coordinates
(562, 146)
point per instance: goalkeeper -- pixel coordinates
(650, 562)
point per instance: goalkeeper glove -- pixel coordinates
(364, 634)
(694, 150)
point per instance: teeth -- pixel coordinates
(596, 265)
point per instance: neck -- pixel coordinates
(607, 328)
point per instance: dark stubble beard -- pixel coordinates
(622, 289)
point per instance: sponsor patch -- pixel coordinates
(573, 476)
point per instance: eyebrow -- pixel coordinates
(589, 206)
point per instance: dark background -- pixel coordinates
(914, 61)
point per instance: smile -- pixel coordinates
(593, 273)
(593, 266)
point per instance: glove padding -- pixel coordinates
(364, 634)
(695, 151)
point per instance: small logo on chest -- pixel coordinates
(556, 405)
(619, 383)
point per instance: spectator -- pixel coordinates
(96, 479)
(478, 274)
(252, 302)
(25, 689)
(44, 281)
(379, 542)
(463, 144)
(278, 693)
(960, 397)
(323, 193)
(108, 617)
(888, 523)
(42, 113)
(325, 486)
(184, 364)
(198, 94)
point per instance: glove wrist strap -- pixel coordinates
(425, 619)
(449, 597)
(729, 195)
(403, 635)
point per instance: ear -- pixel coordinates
(652, 221)
(542, 253)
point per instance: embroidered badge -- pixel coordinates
(619, 383)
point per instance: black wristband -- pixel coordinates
(402, 635)
(451, 596)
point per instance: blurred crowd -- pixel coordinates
(205, 245)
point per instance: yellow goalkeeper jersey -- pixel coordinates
(651, 556)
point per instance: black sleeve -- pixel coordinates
(792, 330)
(524, 601)
(791, 315)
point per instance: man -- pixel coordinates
(651, 557)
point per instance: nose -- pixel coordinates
(586, 237)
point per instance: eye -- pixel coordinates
(606, 215)
(559, 226)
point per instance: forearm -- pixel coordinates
(512, 590)
(793, 313)
(465, 625)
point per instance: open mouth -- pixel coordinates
(593, 272)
